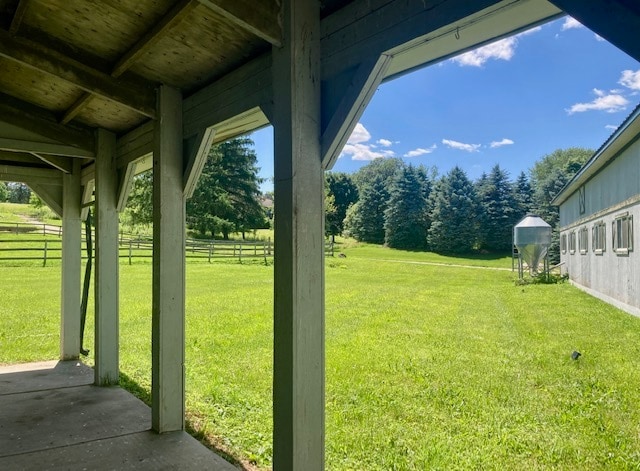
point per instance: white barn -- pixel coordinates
(598, 207)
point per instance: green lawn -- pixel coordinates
(428, 366)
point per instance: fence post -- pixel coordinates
(44, 262)
(264, 251)
(44, 229)
(210, 247)
(269, 246)
(130, 248)
(240, 257)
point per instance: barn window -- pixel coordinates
(582, 200)
(583, 240)
(623, 234)
(572, 242)
(563, 243)
(599, 236)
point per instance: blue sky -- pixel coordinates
(511, 103)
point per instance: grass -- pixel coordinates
(13, 212)
(428, 366)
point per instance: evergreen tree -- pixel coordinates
(345, 193)
(405, 216)
(453, 207)
(365, 221)
(523, 196)
(496, 210)
(227, 197)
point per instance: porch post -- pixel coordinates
(167, 340)
(106, 279)
(71, 264)
(298, 387)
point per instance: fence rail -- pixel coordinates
(130, 248)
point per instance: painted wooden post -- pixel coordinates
(167, 384)
(298, 383)
(71, 264)
(106, 279)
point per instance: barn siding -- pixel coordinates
(611, 192)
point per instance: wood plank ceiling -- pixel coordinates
(74, 65)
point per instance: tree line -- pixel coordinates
(407, 207)
(385, 202)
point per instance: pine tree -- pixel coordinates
(496, 210)
(453, 208)
(405, 216)
(523, 196)
(365, 221)
(227, 197)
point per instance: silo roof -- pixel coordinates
(532, 220)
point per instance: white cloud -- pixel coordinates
(503, 49)
(598, 37)
(503, 142)
(610, 103)
(461, 145)
(420, 151)
(611, 126)
(359, 148)
(359, 134)
(384, 142)
(630, 79)
(571, 23)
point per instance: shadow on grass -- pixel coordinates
(191, 426)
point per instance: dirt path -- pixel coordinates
(452, 265)
(48, 228)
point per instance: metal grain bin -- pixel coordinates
(532, 237)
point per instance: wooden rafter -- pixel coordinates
(12, 158)
(36, 56)
(259, 18)
(30, 117)
(61, 163)
(18, 16)
(30, 175)
(174, 16)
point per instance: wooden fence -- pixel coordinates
(48, 248)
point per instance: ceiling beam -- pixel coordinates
(132, 95)
(28, 175)
(11, 158)
(174, 16)
(18, 16)
(617, 21)
(19, 145)
(61, 163)
(44, 123)
(257, 17)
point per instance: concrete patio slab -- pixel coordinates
(51, 418)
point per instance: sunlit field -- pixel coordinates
(439, 364)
